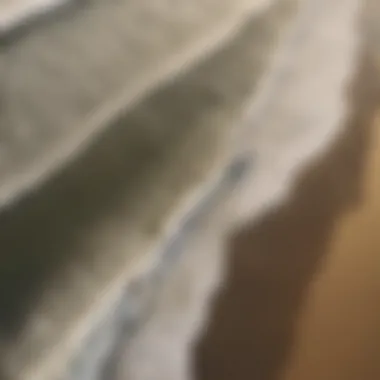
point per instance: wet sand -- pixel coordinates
(302, 297)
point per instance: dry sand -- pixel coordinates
(302, 297)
